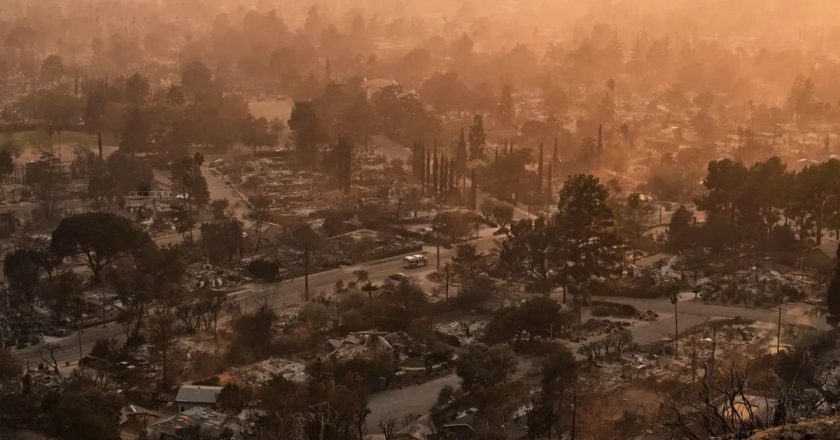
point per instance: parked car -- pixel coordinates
(396, 278)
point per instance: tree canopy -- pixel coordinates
(101, 237)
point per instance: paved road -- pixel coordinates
(397, 404)
(418, 399)
(693, 313)
(250, 296)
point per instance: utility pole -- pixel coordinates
(676, 332)
(79, 336)
(437, 252)
(674, 300)
(779, 330)
(447, 282)
(574, 410)
(437, 235)
(714, 347)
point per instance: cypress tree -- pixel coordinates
(452, 176)
(418, 161)
(600, 139)
(435, 172)
(426, 172)
(550, 183)
(441, 175)
(444, 183)
(461, 155)
(414, 168)
(344, 163)
(473, 191)
(833, 294)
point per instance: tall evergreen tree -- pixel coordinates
(435, 173)
(505, 113)
(477, 138)
(473, 191)
(415, 150)
(447, 167)
(833, 294)
(585, 233)
(550, 181)
(600, 150)
(461, 155)
(452, 176)
(344, 163)
(427, 172)
(442, 176)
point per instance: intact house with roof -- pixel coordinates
(192, 396)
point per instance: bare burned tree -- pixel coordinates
(388, 427)
(727, 406)
(47, 352)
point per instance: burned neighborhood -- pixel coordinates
(419, 220)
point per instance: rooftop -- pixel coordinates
(198, 394)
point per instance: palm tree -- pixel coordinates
(11, 220)
(363, 279)
(362, 276)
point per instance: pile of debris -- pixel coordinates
(365, 244)
(628, 367)
(212, 277)
(758, 286)
(263, 371)
(465, 332)
(367, 345)
(597, 328)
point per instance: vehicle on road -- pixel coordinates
(396, 278)
(414, 261)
